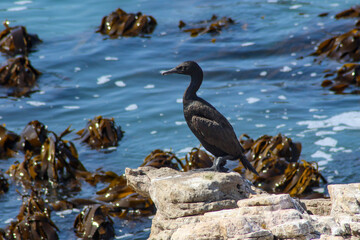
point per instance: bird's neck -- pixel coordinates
(196, 80)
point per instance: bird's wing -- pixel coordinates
(216, 133)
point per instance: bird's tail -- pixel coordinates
(247, 164)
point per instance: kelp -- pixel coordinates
(122, 201)
(348, 75)
(19, 75)
(8, 141)
(159, 158)
(4, 184)
(16, 40)
(196, 159)
(56, 164)
(276, 161)
(94, 222)
(33, 137)
(33, 221)
(101, 133)
(352, 12)
(119, 23)
(213, 26)
(344, 47)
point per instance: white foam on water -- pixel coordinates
(120, 84)
(327, 142)
(282, 97)
(126, 235)
(333, 149)
(108, 58)
(9, 220)
(295, 6)
(17, 9)
(252, 100)
(103, 79)
(260, 125)
(22, 2)
(149, 86)
(131, 107)
(71, 107)
(347, 120)
(263, 73)
(153, 132)
(323, 155)
(178, 123)
(184, 150)
(179, 100)
(322, 133)
(247, 44)
(36, 103)
(286, 69)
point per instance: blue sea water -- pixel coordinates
(258, 73)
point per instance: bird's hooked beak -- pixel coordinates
(173, 70)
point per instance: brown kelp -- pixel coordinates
(94, 222)
(348, 75)
(101, 133)
(16, 40)
(33, 137)
(344, 47)
(159, 158)
(8, 142)
(276, 161)
(119, 23)
(213, 26)
(33, 221)
(121, 200)
(4, 184)
(57, 163)
(19, 75)
(197, 158)
(352, 12)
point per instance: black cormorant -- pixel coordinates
(211, 128)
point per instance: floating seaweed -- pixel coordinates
(8, 142)
(33, 137)
(352, 12)
(159, 159)
(197, 158)
(120, 23)
(213, 26)
(122, 201)
(347, 75)
(276, 161)
(4, 185)
(94, 222)
(61, 205)
(16, 40)
(101, 133)
(19, 75)
(343, 47)
(33, 221)
(57, 163)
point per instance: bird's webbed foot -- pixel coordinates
(218, 166)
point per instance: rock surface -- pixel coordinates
(209, 205)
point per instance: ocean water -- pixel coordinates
(258, 73)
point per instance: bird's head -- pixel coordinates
(186, 68)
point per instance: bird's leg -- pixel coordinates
(218, 165)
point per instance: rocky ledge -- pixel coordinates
(210, 205)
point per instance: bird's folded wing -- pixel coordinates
(220, 135)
